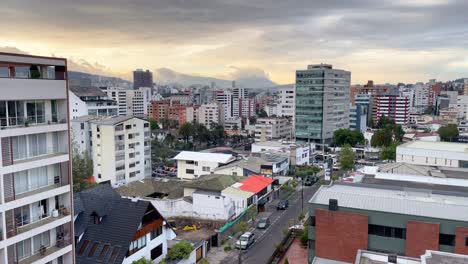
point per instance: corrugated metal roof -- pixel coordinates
(401, 201)
(443, 146)
(237, 192)
(201, 156)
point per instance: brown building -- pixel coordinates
(368, 88)
(345, 218)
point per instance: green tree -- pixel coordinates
(261, 113)
(153, 124)
(143, 261)
(165, 123)
(347, 136)
(381, 138)
(241, 227)
(82, 171)
(181, 250)
(389, 152)
(347, 158)
(186, 130)
(169, 140)
(286, 261)
(448, 133)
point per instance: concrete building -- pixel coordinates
(465, 87)
(358, 117)
(322, 102)
(142, 79)
(35, 173)
(449, 115)
(158, 110)
(273, 128)
(462, 106)
(133, 102)
(445, 154)
(244, 107)
(120, 147)
(271, 109)
(299, 154)
(234, 123)
(392, 106)
(429, 257)
(191, 165)
(225, 98)
(91, 101)
(347, 217)
(211, 114)
(286, 102)
(421, 97)
(366, 102)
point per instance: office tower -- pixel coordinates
(35, 177)
(322, 102)
(142, 79)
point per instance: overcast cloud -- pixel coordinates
(388, 41)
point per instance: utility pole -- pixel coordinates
(302, 196)
(240, 255)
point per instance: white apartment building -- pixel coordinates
(244, 107)
(91, 101)
(287, 102)
(462, 106)
(234, 123)
(35, 173)
(191, 165)
(392, 106)
(210, 114)
(271, 109)
(299, 154)
(273, 128)
(445, 154)
(130, 102)
(226, 99)
(421, 97)
(119, 146)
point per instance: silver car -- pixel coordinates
(245, 240)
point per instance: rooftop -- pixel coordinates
(442, 146)
(202, 156)
(255, 183)
(237, 192)
(169, 189)
(398, 200)
(88, 91)
(430, 257)
(212, 182)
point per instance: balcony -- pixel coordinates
(27, 121)
(43, 220)
(59, 245)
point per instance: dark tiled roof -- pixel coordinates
(82, 91)
(108, 241)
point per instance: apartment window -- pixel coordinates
(131, 165)
(99, 175)
(234, 173)
(42, 239)
(23, 248)
(128, 127)
(131, 155)
(137, 245)
(132, 174)
(82, 126)
(130, 136)
(190, 162)
(446, 239)
(205, 168)
(156, 232)
(188, 171)
(146, 125)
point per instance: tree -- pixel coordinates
(181, 250)
(347, 158)
(82, 171)
(241, 227)
(186, 130)
(165, 123)
(262, 113)
(143, 261)
(347, 136)
(169, 140)
(389, 152)
(153, 124)
(447, 133)
(381, 138)
(286, 261)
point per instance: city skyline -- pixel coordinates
(387, 41)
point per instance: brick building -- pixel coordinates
(347, 217)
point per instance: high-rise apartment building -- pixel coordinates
(394, 107)
(119, 146)
(226, 99)
(322, 102)
(35, 178)
(142, 79)
(130, 102)
(211, 114)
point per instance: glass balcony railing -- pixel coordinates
(25, 121)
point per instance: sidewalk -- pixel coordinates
(296, 254)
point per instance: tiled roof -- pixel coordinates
(255, 183)
(108, 241)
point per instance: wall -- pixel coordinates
(212, 206)
(172, 208)
(150, 244)
(421, 236)
(182, 166)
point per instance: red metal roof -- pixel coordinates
(255, 183)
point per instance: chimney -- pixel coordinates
(333, 205)
(392, 258)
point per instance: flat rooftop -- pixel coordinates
(441, 146)
(202, 156)
(398, 200)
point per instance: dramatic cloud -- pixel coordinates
(388, 40)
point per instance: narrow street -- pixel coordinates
(266, 240)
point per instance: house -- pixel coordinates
(191, 164)
(111, 229)
(261, 163)
(299, 153)
(260, 186)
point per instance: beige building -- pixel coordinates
(210, 114)
(428, 153)
(273, 128)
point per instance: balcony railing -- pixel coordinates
(25, 121)
(41, 154)
(58, 245)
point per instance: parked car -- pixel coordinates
(245, 240)
(308, 181)
(263, 223)
(282, 205)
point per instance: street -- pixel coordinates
(267, 240)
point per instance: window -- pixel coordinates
(156, 232)
(448, 240)
(132, 174)
(207, 169)
(128, 127)
(42, 239)
(137, 245)
(82, 126)
(188, 171)
(466, 241)
(190, 162)
(23, 248)
(156, 252)
(387, 231)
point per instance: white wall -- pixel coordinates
(150, 244)
(212, 206)
(182, 166)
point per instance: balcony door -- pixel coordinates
(35, 112)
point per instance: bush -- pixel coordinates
(305, 236)
(180, 250)
(204, 261)
(294, 183)
(227, 248)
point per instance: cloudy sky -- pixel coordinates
(383, 40)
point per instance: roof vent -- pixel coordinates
(392, 258)
(333, 205)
